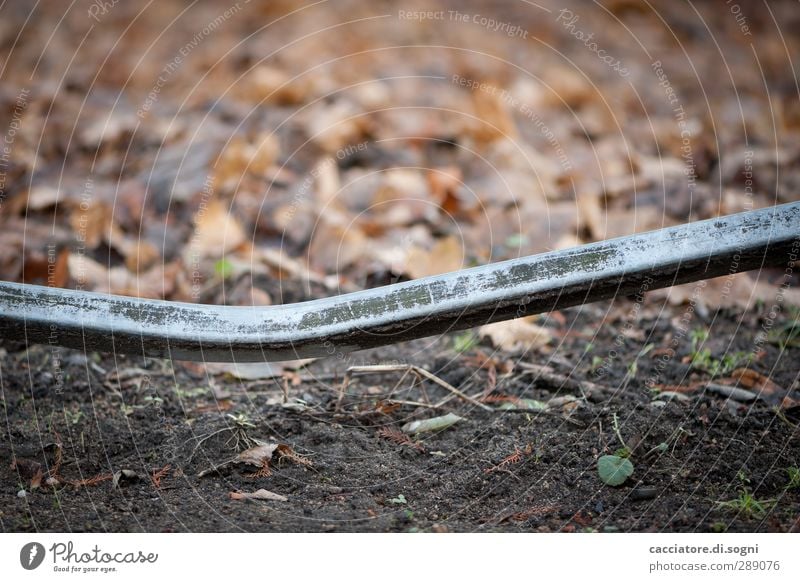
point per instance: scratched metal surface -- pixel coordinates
(413, 309)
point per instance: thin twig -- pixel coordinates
(386, 368)
(548, 376)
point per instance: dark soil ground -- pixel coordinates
(692, 452)
(351, 144)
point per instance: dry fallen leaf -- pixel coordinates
(755, 381)
(333, 126)
(258, 455)
(740, 291)
(91, 223)
(42, 196)
(242, 156)
(270, 85)
(334, 247)
(257, 370)
(216, 232)
(493, 116)
(447, 255)
(51, 268)
(516, 334)
(261, 494)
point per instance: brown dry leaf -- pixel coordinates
(447, 255)
(139, 254)
(445, 185)
(494, 120)
(261, 494)
(36, 480)
(91, 223)
(591, 217)
(567, 87)
(256, 370)
(242, 156)
(334, 247)
(244, 294)
(108, 129)
(257, 456)
(270, 85)
(42, 196)
(403, 199)
(740, 291)
(51, 268)
(11, 244)
(627, 222)
(87, 273)
(332, 126)
(158, 282)
(327, 183)
(755, 381)
(27, 468)
(216, 232)
(516, 334)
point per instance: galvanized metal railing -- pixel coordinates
(408, 310)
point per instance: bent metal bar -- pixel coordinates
(413, 309)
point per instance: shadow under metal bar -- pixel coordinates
(413, 309)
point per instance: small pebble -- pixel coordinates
(642, 493)
(22, 494)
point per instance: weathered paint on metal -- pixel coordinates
(403, 311)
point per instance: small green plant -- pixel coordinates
(794, 478)
(151, 400)
(719, 527)
(699, 336)
(625, 451)
(465, 341)
(399, 500)
(742, 476)
(747, 505)
(633, 367)
(704, 361)
(223, 268)
(785, 336)
(73, 417)
(515, 241)
(615, 469)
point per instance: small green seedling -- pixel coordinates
(516, 240)
(465, 341)
(785, 336)
(794, 478)
(703, 360)
(615, 469)
(399, 500)
(223, 268)
(747, 505)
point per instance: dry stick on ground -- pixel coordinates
(420, 373)
(547, 375)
